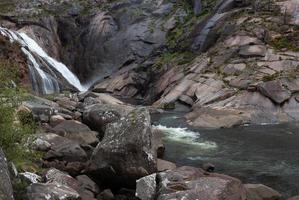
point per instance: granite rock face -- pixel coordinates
(189, 183)
(127, 141)
(6, 191)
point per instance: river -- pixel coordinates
(267, 154)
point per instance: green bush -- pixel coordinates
(15, 127)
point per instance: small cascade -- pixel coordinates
(44, 70)
(220, 12)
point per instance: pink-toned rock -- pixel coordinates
(253, 51)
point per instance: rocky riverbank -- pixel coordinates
(97, 147)
(232, 62)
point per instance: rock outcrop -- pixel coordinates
(6, 191)
(125, 153)
(189, 183)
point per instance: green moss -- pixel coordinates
(173, 59)
(286, 42)
(270, 77)
(6, 6)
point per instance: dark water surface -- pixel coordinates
(267, 154)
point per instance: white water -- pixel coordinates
(49, 84)
(185, 136)
(60, 67)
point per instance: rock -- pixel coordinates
(106, 195)
(146, 187)
(215, 118)
(63, 149)
(39, 144)
(240, 83)
(241, 40)
(91, 101)
(108, 99)
(66, 103)
(294, 198)
(275, 91)
(157, 143)
(86, 183)
(98, 116)
(56, 119)
(232, 69)
(175, 93)
(75, 130)
(60, 178)
(186, 99)
(209, 167)
(189, 183)
(6, 191)
(252, 51)
(31, 177)
(127, 141)
(38, 191)
(39, 109)
(163, 165)
(261, 192)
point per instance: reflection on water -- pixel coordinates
(255, 154)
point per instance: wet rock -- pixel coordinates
(75, 130)
(127, 141)
(6, 191)
(157, 143)
(275, 91)
(146, 187)
(261, 192)
(294, 198)
(163, 165)
(253, 51)
(38, 191)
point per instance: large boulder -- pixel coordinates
(6, 191)
(275, 91)
(85, 187)
(125, 153)
(75, 130)
(189, 183)
(38, 191)
(99, 115)
(59, 151)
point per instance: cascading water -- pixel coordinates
(43, 81)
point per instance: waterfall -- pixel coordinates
(220, 12)
(44, 81)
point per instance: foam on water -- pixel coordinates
(183, 135)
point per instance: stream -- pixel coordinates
(267, 154)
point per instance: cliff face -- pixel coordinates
(232, 62)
